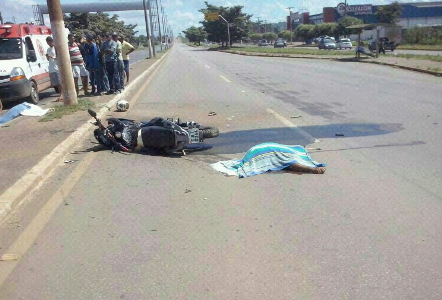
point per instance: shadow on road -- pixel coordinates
(240, 141)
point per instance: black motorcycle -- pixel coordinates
(161, 134)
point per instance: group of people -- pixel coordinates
(101, 61)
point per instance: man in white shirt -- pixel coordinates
(54, 75)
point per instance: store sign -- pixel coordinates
(364, 9)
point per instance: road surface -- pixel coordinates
(138, 226)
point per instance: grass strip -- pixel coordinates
(58, 111)
(437, 58)
(293, 51)
(420, 47)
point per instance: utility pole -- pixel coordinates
(149, 7)
(265, 26)
(63, 58)
(259, 25)
(159, 26)
(345, 11)
(149, 41)
(1, 18)
(228, 29)
(291, 24)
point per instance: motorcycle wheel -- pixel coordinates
(210, 132)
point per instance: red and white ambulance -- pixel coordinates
(24, 69)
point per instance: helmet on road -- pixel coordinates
(122, 105)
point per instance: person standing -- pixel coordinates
(54, 75)
(120, 63)
(127, 49)
(109, 48)
(102, 74)
(77, 64)
(92, 65)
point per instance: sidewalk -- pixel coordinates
(26, 141)
(418, 65)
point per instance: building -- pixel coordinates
(413, 14)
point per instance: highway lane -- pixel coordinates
(152, 227)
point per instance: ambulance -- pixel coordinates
(24, 69)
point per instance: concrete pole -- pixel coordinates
(291, 24)
(63, 58)
(149, 7)
(159, 26)
(377, 42)
(149, 42)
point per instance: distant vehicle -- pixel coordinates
(344, 44)
(262, 43)
(388, 45)
(279, 43)
(327, 44)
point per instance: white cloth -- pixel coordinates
(33, 111)
(53, 66)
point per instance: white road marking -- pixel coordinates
(207, 66)
(227, 80)
(27, 238)
(291, 125)
(34, 178)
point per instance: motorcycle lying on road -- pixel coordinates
(160, 134)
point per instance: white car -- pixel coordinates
(344, 44)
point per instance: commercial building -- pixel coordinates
(413, 14)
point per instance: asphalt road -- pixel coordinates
(151, 227)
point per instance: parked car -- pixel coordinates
(262, 43)
(388, 45)
(279, 43)
(344, 44)
(327, 44)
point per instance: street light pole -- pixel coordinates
(291, 24)
(228, 29)
(149, 42)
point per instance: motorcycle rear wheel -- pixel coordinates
(210, 132)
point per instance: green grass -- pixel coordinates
(420, 47)
(437, 58)
(59, 111)
(299, 51)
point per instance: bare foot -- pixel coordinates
(58, 100)
(303, 169)
(319, 170)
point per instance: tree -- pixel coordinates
(344, 22)
(217, 30)
(195, 34)
(285, 34)
(81, 24)
(305, 32)
(270, 36)
(389, 13)
(322, 29)
(255, 37)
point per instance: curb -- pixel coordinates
(15, 194)
(437, 74)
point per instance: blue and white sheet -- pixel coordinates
(266, 157)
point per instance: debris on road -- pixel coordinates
(70, 161)
(187, 191)
(295, 117)
(212, 113)
(9, 257)
(339, 134)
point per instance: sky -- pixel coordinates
(184, 13)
